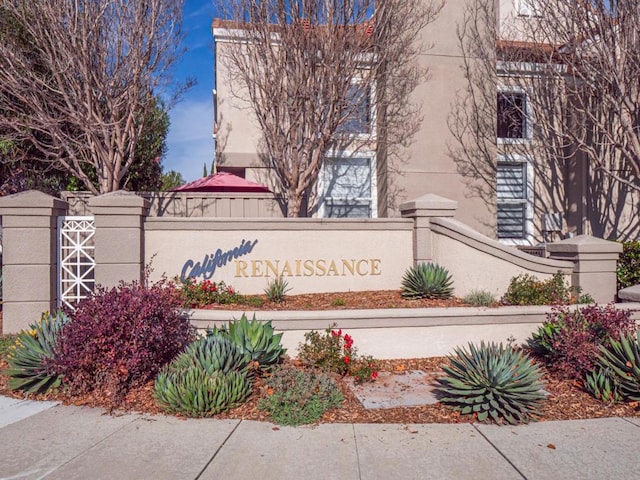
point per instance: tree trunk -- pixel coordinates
(294, 203)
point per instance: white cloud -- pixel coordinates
(189, 141)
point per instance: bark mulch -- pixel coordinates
(566, 400)
(375, 299)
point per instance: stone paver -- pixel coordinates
(262, 450)
(396, 390)
(576, 450)
(442, 452)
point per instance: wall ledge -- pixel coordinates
(457, 230)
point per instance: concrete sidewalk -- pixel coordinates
(60, 442)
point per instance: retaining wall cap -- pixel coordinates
(430, 201)
(31, 199)
(630, 294)
(585, 244)
(120, 198)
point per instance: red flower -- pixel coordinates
(348, 341)
(336, 333)
(374, 375)
(346, 360)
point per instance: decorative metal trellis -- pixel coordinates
(76, 262)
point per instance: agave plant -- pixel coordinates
(602, 384)
(29, 358)
(194, 392)
(213, 353)
(492, 381)
(427, 280)
(622, 357)
(255, 338)
(277, 289)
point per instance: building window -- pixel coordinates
(528, 8)
(513, 116)
(348, 187)
(515, 200)
(359, 120)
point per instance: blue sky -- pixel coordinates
(189, 140)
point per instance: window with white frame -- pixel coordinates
(513, 116)
(360, 118)
(348, 187)
(514, 199)
(527, 8)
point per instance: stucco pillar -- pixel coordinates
(119, 237)
(422, 210)
(29, 255)
(594, 261)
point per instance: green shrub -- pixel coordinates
(480, 298)
(528, 290)
(492, 381)
(622, 357)
(276, 289)
(298, 397)
(569, 340)
(251, 301)
(199, 294)
(331, 350)
(7, 342)
(334, 351)
(30, 358)
(628, 270)
(257, 339)
(427, 280)
(338, 302)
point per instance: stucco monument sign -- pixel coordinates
(329, 259)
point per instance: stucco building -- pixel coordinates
(528, 199)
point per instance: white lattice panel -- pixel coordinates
(76, 262)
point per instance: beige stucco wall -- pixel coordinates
(480, 263)
(423, 167)
(312, 255)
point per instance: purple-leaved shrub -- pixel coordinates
(121, 337)
(569, 339)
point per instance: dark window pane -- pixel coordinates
(512, 118)
(359, 119)
(348, 209)
(511, 220)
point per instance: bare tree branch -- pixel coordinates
(579, 64)
(77, 79)
(306, 67)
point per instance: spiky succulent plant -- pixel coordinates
(427, 280)
(492, 381)
(255, 338)
(195, 392)
(602, 384)
(30, 357)
(213, 353)
(622, 357)
(209, 377)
